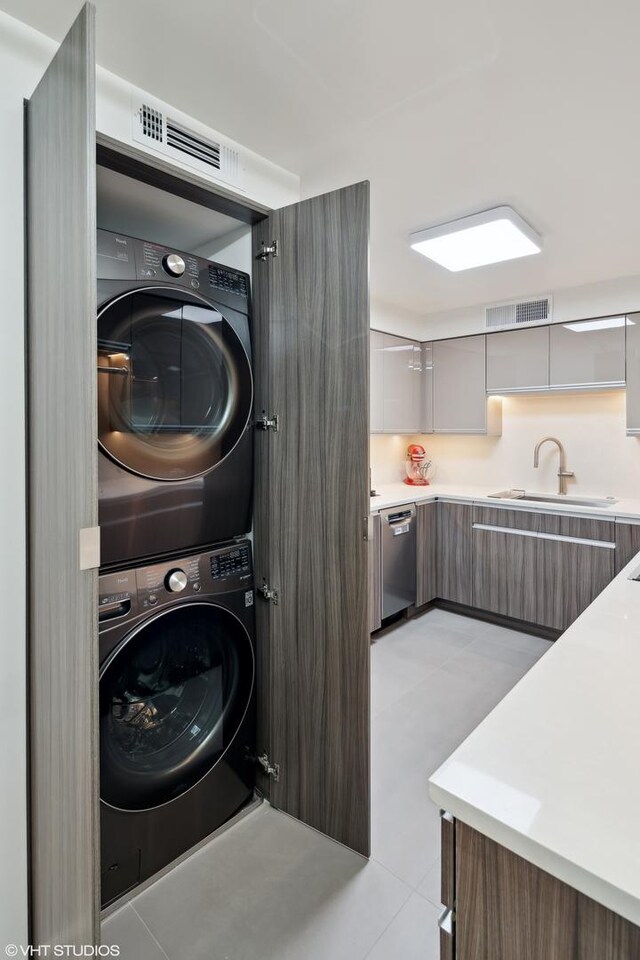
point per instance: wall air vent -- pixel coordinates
(151, 121)
(520, 313)
(182, 139)
(177, 141)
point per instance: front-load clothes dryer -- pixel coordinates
(177, 708)
(175, 399)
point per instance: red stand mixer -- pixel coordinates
(417, 465)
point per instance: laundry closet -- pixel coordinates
(198, 504)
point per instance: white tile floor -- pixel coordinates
(272, 888)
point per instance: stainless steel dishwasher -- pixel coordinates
(398, 559)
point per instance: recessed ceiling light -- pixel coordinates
(488, 237)
(583, 326)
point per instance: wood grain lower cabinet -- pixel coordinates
(426, 552)
(508, 909)
(627, 544)
(375, 574)
(570, 574)
(504, 561)
(454, 552)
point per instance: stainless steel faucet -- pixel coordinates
(563, 473)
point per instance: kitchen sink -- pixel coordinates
(553, 498)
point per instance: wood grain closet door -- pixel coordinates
(311, 330)
(63, 501)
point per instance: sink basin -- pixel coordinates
(553, 498)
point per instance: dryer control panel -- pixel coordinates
(127, 258)
(141, 589)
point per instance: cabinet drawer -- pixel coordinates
(502, 517)
(582, 528)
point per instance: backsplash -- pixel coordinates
(590, 425)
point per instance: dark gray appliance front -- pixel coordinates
(175, 396)
(177, 708)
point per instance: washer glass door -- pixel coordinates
(175, 388)
(172, 698)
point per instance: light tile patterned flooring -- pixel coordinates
(270, 888)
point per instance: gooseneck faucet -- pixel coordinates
(563, 473)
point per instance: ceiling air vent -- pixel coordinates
(518, 314)
(184, 140)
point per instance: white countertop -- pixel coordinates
(395, 494)
(553, 773)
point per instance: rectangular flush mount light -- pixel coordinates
(488, 237)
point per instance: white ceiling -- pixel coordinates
(447, 107)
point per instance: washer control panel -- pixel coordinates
(233, 564)
(139, 590)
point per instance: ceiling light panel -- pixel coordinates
(488, 237)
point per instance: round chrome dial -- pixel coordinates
(174, 264)
(176, 580)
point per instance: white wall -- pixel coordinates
(591, 426)
(605, 298)
(384, 316)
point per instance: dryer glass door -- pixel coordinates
(175, 389)
(172, 698)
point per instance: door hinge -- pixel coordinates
(267, 250)
(266, 422)
(267, 593)
(270, 769)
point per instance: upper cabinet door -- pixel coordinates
(459, 388)
(402, 367)
(376, 385)
(426, 409)
(311, 324)
(63, 501)
(518, 360)
(633, 375)
(588, 353)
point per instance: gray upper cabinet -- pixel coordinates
(376, 381)
(402, 364)
(396, 398)
(460, 402)
(426, 425)
(518, 360)
(586, 354)
(633, 375)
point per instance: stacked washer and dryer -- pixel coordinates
(177, 640)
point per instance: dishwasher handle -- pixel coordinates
(399, 516)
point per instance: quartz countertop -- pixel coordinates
(553, 773)
(395, 494)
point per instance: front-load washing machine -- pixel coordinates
(177, 708)
(175, 398)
